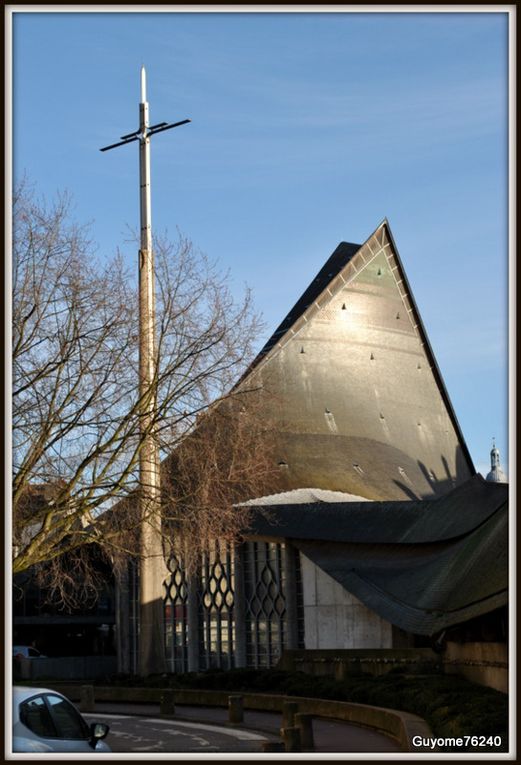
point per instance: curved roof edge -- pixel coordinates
(422, 565)
(398, 522)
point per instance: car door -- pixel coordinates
(72, 729)
(56, 723)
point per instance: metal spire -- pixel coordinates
(151, 642)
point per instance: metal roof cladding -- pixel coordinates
(333, 265)
(409, 521)
(422, 565)
(346, 270)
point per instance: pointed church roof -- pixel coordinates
(369, 281)
(333, 265)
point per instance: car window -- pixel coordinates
(67, 719)
(35, 715)
(33, 652)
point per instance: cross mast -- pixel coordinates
(151, 639)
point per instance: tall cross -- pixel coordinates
(151, 641)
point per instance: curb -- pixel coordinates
(400, 726)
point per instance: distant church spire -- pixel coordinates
(496, 474)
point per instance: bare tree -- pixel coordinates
(226, 459)
(75, 401)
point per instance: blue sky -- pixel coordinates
(307, 130)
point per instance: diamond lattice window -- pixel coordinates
(176, 622)
(216, 608)
(265, 603)
(262, 610)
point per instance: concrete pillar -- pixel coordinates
(289, 710)
(290, 571)
(192, 627)
(304, 722)
(167, 703)
(239, 609)
(235, 709)
(291, 739)
(122, 622)
(87, 698)
(272, 746)
(340, 670)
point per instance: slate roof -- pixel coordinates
(422, 565)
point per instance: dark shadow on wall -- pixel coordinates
(441, 486)
(430, 475)
(151, 640)
(406, 489)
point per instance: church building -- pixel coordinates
(381, 534)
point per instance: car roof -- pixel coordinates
(22, 692)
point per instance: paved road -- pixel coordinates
(200, 729)
(153, 734)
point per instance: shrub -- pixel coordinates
(452, 705)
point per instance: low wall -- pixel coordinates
(376, 661)
(400, 726)
(483, 663)
(68, 667)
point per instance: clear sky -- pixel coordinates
(307, 130)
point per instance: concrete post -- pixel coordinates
(239, 609)
(291, 738)
(87, 698)
(340, 670)
(289, 710)
(290, 566)
(167, 703)
(192, 624)
(304, 722)
(272, 746)
(123, 622)
(235, 709)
